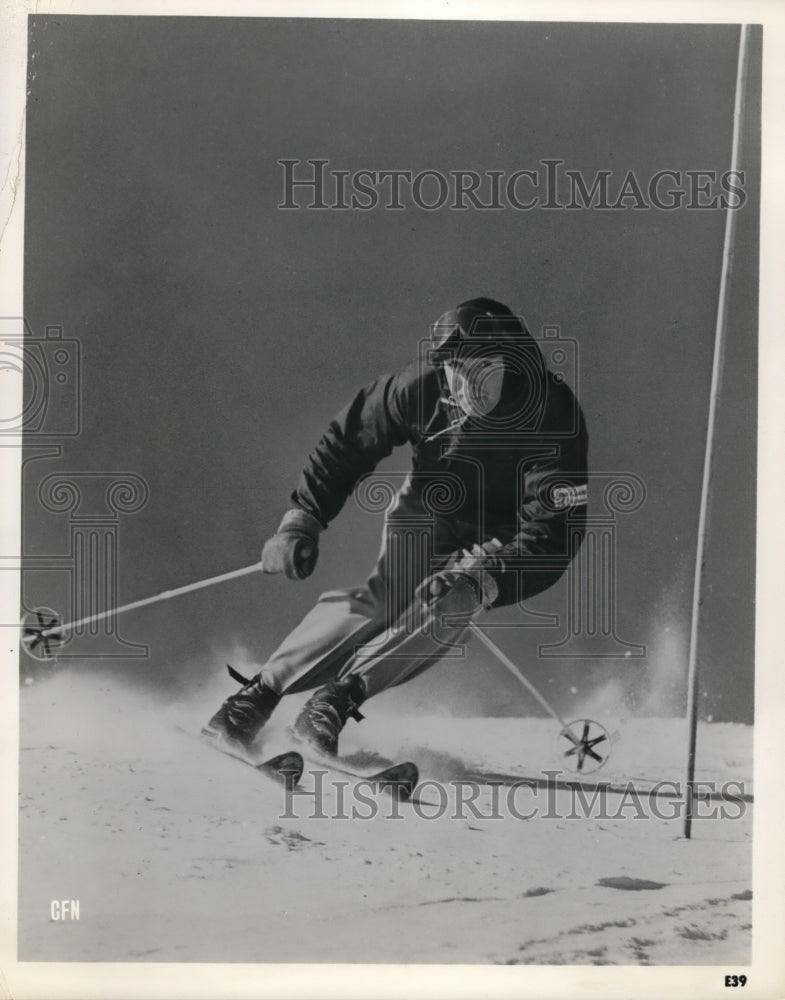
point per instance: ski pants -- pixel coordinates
(380, 631)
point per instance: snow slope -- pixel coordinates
(178, 854)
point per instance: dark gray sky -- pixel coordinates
(219, 333)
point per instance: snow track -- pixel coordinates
(179, 854)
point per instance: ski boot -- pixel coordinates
(243, 714)
(325, 713)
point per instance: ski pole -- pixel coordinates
(507, 662)
(582, 746)
(35, 633)
(165, 595)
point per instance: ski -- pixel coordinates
(399, 778)
(285, 768)
(639, 787)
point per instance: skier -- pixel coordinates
(491, 514)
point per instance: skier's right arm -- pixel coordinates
(356, 440)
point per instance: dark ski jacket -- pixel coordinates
(519, 475)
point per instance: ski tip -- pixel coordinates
(399, 779)
(287, 767)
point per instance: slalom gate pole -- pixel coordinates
(719, 343)
(164, 596)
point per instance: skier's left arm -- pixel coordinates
(553, 501)
(555, 496)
